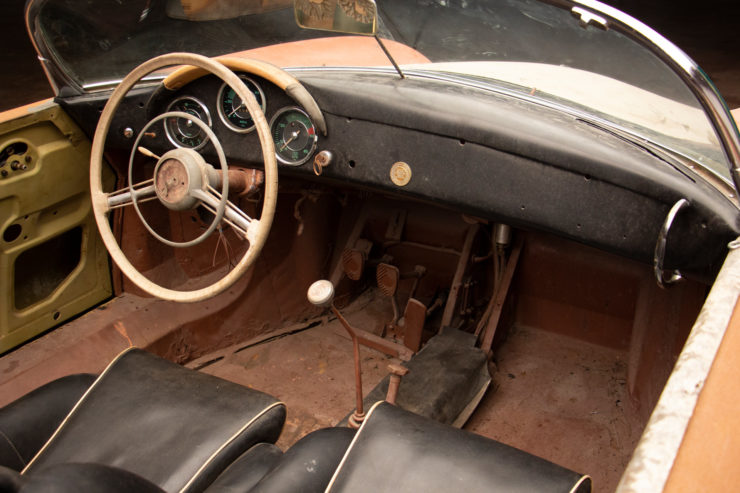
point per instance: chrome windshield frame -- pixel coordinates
(601, 15)
(690, 73)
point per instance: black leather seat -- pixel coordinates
(151, 426)
(174, 428)
(27, 423)
(399, 451)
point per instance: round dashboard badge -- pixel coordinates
(400, 174)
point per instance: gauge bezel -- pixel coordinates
(168, 132)
(314, 143)
(220, 109)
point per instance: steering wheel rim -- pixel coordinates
(258, 229)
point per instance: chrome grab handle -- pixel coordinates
(660, 247)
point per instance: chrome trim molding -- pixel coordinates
(111, 84)
(48, 62)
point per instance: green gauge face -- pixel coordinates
(184, 132)
(294, 135)
(233, 112)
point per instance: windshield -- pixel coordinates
(536, 49)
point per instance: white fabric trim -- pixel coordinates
(227, 442)
(352, 444)
(579, 483)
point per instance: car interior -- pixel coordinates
(344, 280)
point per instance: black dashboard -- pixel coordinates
(463, 147)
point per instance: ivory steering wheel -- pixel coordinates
(183, 180)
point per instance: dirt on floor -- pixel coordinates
(564, 400)
(555, 397)
(312, 372)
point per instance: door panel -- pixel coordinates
(53, 264)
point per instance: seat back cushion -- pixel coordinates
(27, 423)
(175, 427)
(396, 450)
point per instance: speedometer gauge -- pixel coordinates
(294, 135)
(232, 110)
(184, 132)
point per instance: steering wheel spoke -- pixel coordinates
(233, 215)
(142, 192)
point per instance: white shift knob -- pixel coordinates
(321, 293)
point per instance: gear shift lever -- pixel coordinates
(321, 293)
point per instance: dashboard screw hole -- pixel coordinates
(462, 142)
(56, 315)
(351, 163)
(587, 177)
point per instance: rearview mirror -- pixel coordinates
(343, 16)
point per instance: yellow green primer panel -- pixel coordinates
(53, 264)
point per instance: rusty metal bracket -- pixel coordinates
(378, 343)
(500, 296)
(457, 280)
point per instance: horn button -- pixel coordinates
(177, 174)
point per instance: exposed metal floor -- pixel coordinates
(565, 400)
(311, 371)
(557, 397)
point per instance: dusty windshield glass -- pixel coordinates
(537, 49)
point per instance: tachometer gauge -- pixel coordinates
(184, 132)
(294, 135)
(233, 112)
